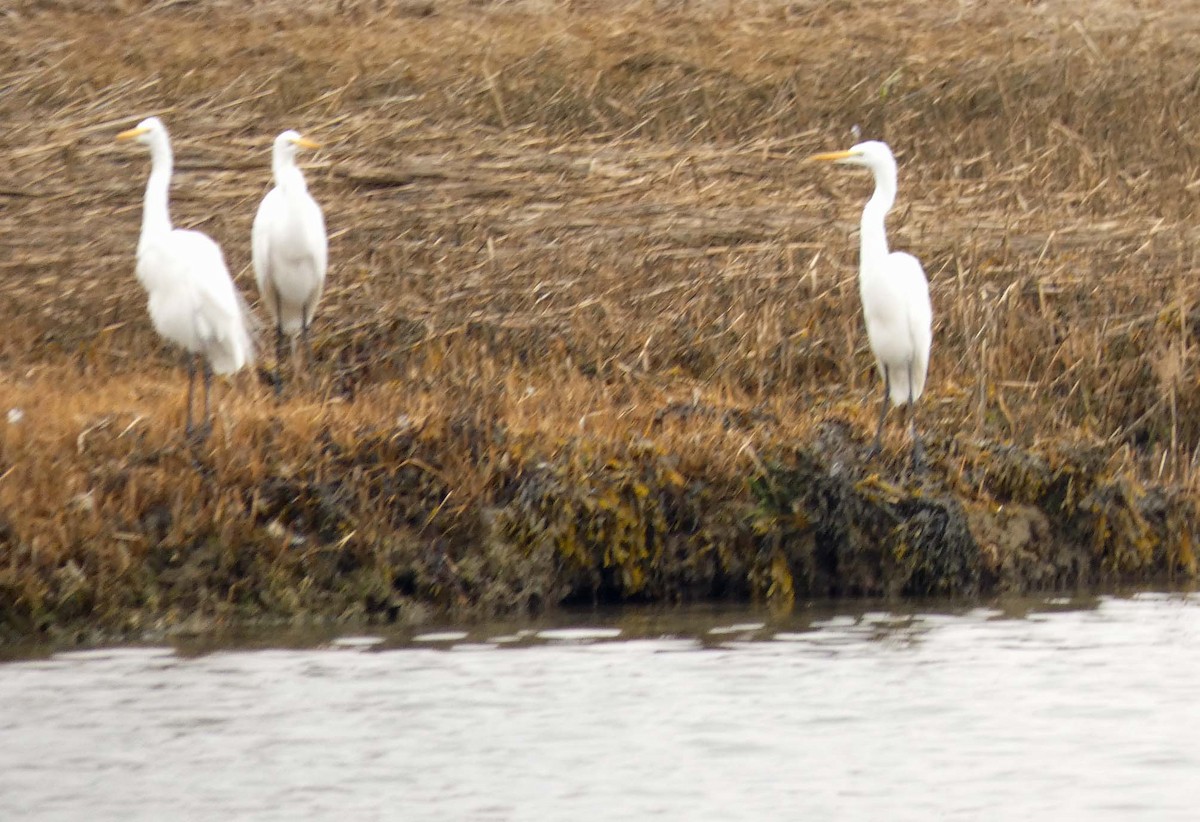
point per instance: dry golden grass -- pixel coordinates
(570, 220)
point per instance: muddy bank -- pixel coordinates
(386, 525)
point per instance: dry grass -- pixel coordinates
(564, 219)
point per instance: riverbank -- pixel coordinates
(592, 327)
(395, 508)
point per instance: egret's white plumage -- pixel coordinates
(893, 288)
(192, 299)
(289, 245)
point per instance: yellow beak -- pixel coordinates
(304, 142)
(830, 156)
(133, 132)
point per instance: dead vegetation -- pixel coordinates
(592, 326)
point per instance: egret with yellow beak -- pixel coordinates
(894, 292)
(290, 249)
(192, 300)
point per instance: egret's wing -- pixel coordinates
(221, 317)
(227, 320)
(916, 289)
(919, 309)
(260, 240)
(314, 231)
(315, 228)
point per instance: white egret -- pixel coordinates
(192, 299)
(894, 292)
(290, 248)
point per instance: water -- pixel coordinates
(1046, 711)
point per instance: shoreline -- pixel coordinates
(286, 519)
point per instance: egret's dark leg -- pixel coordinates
(207, 390)
(280, 347)
(308, 355)
(199, 433)
(918, 453)
(883, 409)
(279, 343)
(190, 361)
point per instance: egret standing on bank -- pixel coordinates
(894, 291)
(290, 248)
(192, 299)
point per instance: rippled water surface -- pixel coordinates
(1063, 710)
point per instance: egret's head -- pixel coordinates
(144, 131)
(287, 143)
(872, 154)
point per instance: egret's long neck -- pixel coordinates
(288, 176)
(156, 215)
(873, 235)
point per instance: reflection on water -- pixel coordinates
(1055, 709)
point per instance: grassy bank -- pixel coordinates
(592, 327)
